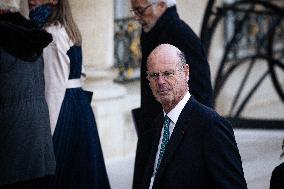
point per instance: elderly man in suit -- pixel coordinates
(194, 147)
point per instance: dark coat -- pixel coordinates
(26, 147)
(277, 178)
(202, 153)
(171, 29)
(21, 38)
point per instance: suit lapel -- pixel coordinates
(180, 129)
(158, 124)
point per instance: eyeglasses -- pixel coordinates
(140, 11)
(165, 75)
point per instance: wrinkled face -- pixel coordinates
(147, 13)
(35, 3)
(168, 78)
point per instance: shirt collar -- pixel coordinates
(174, 113)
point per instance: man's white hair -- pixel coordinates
(10, 5)
(169, 3)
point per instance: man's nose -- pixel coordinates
(137, 17)
(161, 79)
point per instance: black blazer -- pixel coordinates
(277, 178)
(202, 153)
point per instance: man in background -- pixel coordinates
(161, 24)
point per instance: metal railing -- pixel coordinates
(127, 52)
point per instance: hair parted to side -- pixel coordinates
(169, 3)
(10, 5)
(62, 14)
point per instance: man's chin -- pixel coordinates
(163, 99)
(146, 29)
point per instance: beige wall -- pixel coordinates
(191, 11)
(95, 20)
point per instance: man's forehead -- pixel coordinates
(164, 55)
(162, 63)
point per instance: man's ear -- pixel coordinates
(162, 6)
(186, 71)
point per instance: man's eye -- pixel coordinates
(139, 11)
(154, 75)
(167, 74)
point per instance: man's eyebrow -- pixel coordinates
(137, 7)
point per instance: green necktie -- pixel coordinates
(165, 140)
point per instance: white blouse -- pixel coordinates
(56, 70)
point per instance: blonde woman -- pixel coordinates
(79, 158)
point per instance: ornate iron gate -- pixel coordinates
(253, 32)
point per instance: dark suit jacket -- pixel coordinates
(277, 178)
(171, 29)
(202, 153)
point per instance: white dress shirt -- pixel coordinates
(173, 115)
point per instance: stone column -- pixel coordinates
(95, 20)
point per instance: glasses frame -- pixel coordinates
(141, 10)
(154, 76)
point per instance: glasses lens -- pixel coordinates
(140, 11)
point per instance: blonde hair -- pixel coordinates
(24, 8)
(10, 5)
(62, 14)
